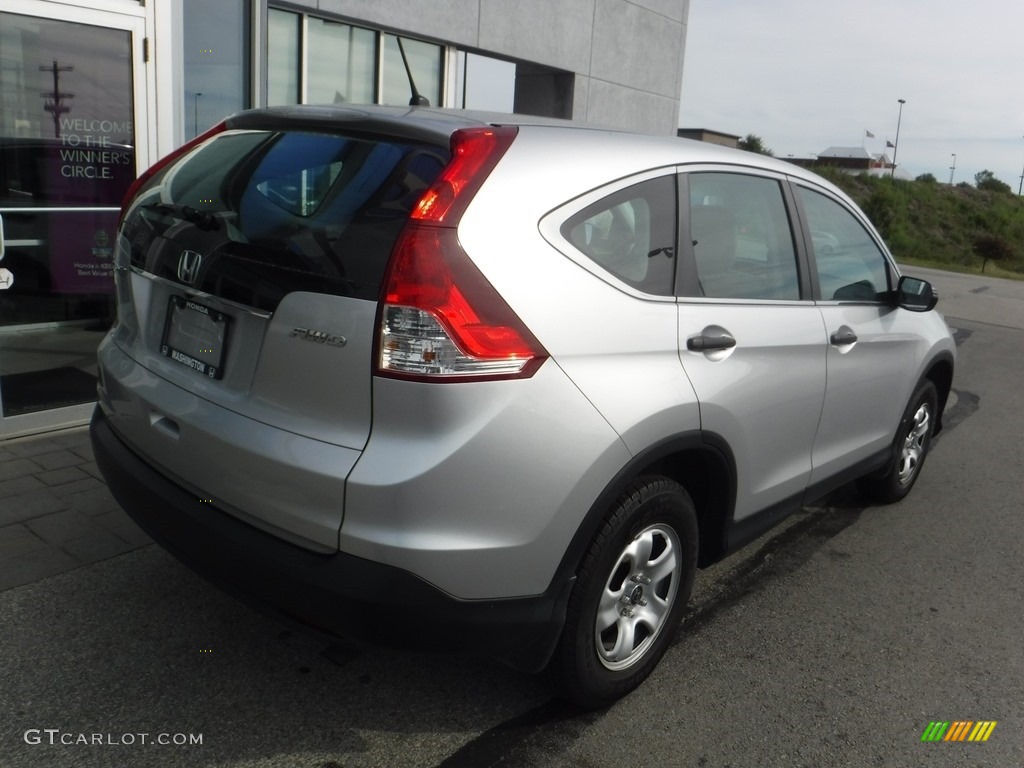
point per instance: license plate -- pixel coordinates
(195, 335)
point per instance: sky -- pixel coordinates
(805, 75)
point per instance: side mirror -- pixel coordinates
(916, 295)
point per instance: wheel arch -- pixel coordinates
(940, 373)
(700, 462)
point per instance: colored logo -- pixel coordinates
(959, 730)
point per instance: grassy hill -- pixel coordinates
(936, 225)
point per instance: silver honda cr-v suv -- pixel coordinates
(498, 384)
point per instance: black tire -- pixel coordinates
(635, 581)
(909, 450)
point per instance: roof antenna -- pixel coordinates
(418, 99)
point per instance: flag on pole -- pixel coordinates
(889, 144)
(869, 134)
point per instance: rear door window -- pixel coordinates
(273, 212)
(742, 239)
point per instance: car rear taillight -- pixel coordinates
(163, 162)
(440, 319)
(475, 152)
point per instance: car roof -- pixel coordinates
(436, 125)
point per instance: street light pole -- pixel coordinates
(196, 116)
(952, 169)
(1021, 185)
(896, 146)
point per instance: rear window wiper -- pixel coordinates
(201, 219)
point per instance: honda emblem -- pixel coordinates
(188, 266)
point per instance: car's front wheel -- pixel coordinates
(630, 593)
(913, 439)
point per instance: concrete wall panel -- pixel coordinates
(622, 107)
(450, 21)
(636, 47)
(558, 35)
(677, 10)
(581, 97)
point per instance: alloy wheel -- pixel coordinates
(637, 597)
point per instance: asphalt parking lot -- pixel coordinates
(834, 640)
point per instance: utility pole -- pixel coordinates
(55, 105)
(952, 169)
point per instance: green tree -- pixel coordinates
(988, 181)
(883, 207)
(992, 248)
(934, 224)
(753, 143)
(928, 178)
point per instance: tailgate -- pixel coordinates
(248, 272)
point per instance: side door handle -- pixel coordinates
(843, 336)
(709, 343)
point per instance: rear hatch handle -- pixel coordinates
(167, 426)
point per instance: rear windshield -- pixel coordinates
(270, 212)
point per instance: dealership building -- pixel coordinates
(94, 91)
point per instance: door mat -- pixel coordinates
(33, 391)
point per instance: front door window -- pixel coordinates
(850, 265)
(67, 156)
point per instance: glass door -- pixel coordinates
(71, 94)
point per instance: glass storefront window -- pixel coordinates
(283, 63)
(314, 60)
(343, 68)
(425, 64)
(67, 156)
(341, 63)
(483, 82)
(216, 48)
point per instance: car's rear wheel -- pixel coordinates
(913, 439)
(630, 593)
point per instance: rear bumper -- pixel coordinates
(352, 598)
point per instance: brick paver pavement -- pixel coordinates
(56, 513)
